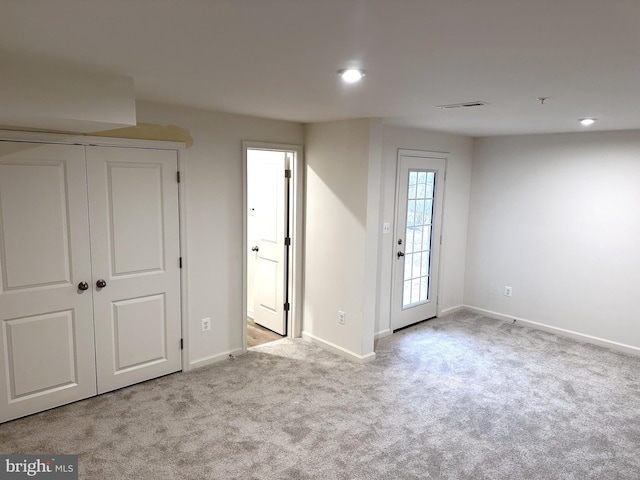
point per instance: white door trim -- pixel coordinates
(73, 139)
(402, 152)
(294, 329)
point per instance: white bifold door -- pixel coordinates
(90, 284)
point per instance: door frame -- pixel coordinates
(402, 152)
(296, 224)
(180, 149)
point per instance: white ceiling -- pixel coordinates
(278, 58)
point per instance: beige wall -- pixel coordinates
(213, 181)
(337, 186)
(556, 218)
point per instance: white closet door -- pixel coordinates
(46, 320)
(133, 205)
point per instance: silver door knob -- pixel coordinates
(101, 283)
(83, 286)
(400, 254)
(254, 249)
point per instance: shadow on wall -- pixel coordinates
(337, 155)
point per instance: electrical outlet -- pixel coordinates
(206, 324)
(340, 317)
(508, 291)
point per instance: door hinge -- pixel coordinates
(287, 241)
(287, 174)
(287, 307)
(182, 344)
(178, 177)
(180, 262)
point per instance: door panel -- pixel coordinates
(267, 276)
(135, 198)
(46, 322)
(133, 203)
(51, 335)
(41, 260)
(420, 191)
(268, 194)
(138, 325)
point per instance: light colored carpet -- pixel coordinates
(461, 397)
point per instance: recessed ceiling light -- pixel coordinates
(585, 122)
(351, 75)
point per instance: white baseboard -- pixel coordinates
(333, 348)
(202, 362)
(449, 310)
(559, 331)
(382, 334)
(250, 314)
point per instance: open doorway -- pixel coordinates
(272, 232)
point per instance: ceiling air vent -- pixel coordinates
(451, 106)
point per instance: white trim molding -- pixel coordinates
(343, 352)
(383, 333)
(450, 310)
(203, 362)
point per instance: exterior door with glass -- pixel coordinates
(420, 189)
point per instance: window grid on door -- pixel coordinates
(419, 224)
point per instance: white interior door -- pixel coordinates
(133, 204)
(268, 201)
(46, 319)
(420, 187)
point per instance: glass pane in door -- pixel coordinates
(417, 264)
